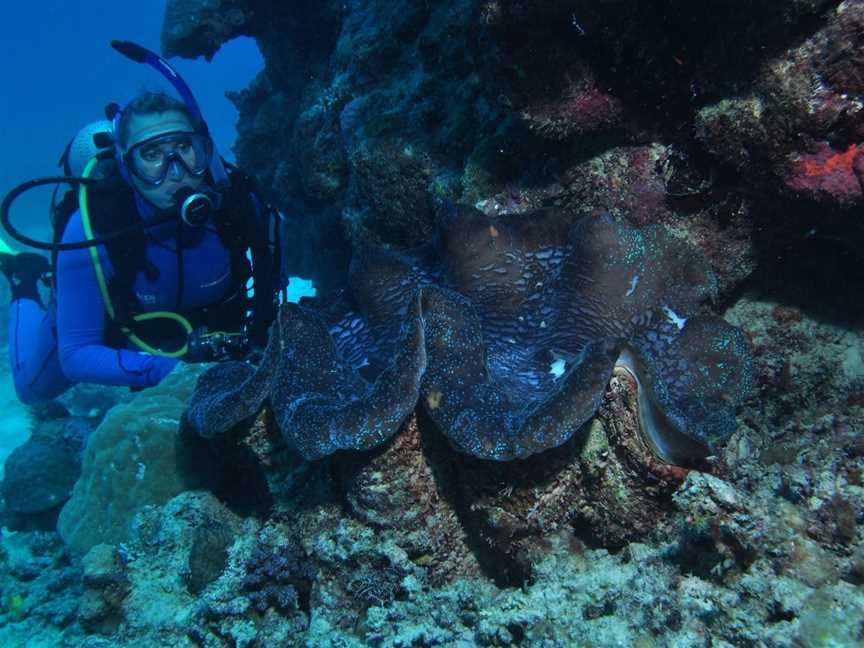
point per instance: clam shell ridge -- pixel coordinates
(507, 330)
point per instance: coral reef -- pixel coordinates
(38, 476)
(801, 121)
(105, 586)
(737, 557)
(41, 590)
(208, 555)
(440, 451)
(278, 577)
(193, 27)
(134, 458)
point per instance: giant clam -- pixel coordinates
(507, 330)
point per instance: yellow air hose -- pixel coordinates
(103, 285)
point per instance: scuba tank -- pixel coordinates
(91, 141)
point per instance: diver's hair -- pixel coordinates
(146, 103)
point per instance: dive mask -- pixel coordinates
(169, 154)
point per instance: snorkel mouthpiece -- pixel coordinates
(195, 206)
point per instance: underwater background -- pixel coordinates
(586, 363)
(59, 74)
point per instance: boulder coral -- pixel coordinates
(133, 458)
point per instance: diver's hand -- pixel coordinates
(158, 368)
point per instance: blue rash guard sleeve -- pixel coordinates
(81, 324)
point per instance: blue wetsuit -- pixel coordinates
(50, 350)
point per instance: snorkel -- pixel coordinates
(139, 54)
(194, 206)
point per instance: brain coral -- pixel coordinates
(507, 330)
(134, 458)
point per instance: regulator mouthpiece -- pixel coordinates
(195, 206)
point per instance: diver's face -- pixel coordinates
(147, 126)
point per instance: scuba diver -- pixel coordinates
(162, 253)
